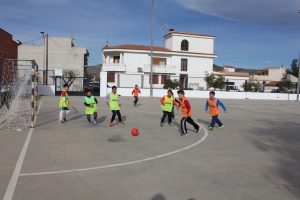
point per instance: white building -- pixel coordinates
(62, 55)
(186, 57)
(233, 78)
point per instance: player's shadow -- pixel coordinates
(138, 105)
(207, 123)
(158, 196)
(52, 111)
(76, 117)
(101, 119)
(176, 124)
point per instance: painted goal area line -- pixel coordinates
(16, 174)
(14, 178)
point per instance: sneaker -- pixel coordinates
(65, 119)
(161, 124)
(94, 122)
(61, 121)
(91, 123)
(198, 129)
(183, 134)
(170, 123)
(220, 127)
(210, 128)
(122, 122)
(110, 124)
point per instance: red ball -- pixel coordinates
(134, 132)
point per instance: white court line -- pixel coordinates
(9, 193)
(203, 138)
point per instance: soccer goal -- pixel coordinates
(18, 85)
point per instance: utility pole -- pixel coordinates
(151, 41)
(298, 83)
(46, 78)
(44, 72)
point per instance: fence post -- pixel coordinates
(32, 93)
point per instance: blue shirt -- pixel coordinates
(218, 103)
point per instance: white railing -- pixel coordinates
(116, 67)
(168, 69)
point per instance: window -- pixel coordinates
(184, 64)
(164, 78)
(111, 77)
(154, 79)
(159, 61)
(116, 59)
(184, 45)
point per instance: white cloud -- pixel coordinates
(262, 12)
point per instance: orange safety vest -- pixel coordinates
(135, 92)
(184, 108)
(213, 107)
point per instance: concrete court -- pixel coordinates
(256, 156)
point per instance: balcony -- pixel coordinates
(113, 67)
(162, 69)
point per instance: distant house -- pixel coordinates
(62, 56)
(186, 57)
(233, 78)
(271, 74)
(8, 48)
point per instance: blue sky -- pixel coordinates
(250, 34)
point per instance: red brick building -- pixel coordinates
(8, 48)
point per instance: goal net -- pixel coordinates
(18, 84)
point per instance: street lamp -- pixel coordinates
(151, 55)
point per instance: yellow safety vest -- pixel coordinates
(63, 103)
(113, 101)
(90, 109)
(168, 104)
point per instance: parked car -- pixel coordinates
(232, 88)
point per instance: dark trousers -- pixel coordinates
(5, 97)
(116, 112)
(214, 120)
(88, 116)
(136, 99)
(190, 121)
(166, 113)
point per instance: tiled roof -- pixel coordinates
(227, 66)
(237, 74)
(272, 83)
(137, 47)
(188, 33)
(148, 48)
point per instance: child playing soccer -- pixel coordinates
(64, 104)
(186, 113)
(135, 92)
(212, 103)
(90, 103)
(167, 103)
(112, 100)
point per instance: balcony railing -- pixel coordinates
(113, 67)
(168, 69)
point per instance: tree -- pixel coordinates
(69, 77)
(171, 84)
(215, 82)
(251, 86)
(294, 67)
(285, 85)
